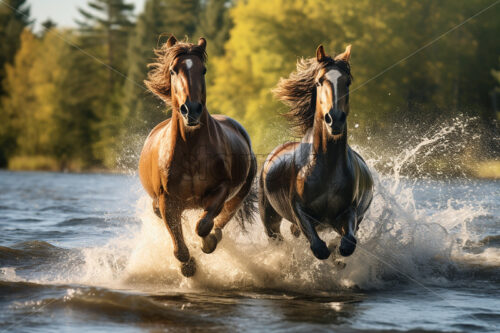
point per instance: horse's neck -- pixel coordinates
(180, 132)
(326, 149)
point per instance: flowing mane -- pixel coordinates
(159, 76)
(298, 91)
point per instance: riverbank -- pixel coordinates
(489, 169)
(49, 164)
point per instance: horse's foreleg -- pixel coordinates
(212, 204)
(172, 219)
(318, 246)
(348, 228)
(209, 243)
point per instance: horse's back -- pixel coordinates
(149, 172)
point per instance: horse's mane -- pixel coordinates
(158, 80)
(298, 91)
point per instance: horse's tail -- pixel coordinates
(249, 208)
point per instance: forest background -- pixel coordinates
(74, 99)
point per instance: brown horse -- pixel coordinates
(193, 159)
(320, 181)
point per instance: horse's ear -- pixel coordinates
(346, 55)
(320, 53)
(202, 42)
(171, 41)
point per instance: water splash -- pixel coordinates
(397, 242)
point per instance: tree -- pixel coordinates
(215, 24)
(181, 17)
(143, 110)
(104, 33)
(265, 41)
(20, 127)
(65, 91)
(48, 25)
(106, 24)
(14, 17)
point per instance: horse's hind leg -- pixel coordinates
(172, 219)
(269, 217)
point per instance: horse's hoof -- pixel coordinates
(295, 230)
(204, 227)
(209, 243)
(218, 234)
(276, 238)
(320, 250)
(156, 208)
(340, 264)
(188, 268)
(347, 245)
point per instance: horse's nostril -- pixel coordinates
(342, 117)
(184, 109)
(199, 108)
(328, 119)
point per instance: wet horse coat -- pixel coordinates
(319, 181)
(193, 159)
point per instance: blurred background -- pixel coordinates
(72, 95)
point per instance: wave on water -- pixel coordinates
(397, 242)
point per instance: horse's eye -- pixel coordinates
(172, 72)
(318, 83)
(204, 71)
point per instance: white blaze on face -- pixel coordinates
(189, 65)
(333, 76)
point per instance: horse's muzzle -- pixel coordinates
(335, 121)
(191, 112)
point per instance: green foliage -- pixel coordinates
(143, 110)
(181, 17)
(14, 17)
(20, 104)
(451, 76)
(105, 29)
(214, 24)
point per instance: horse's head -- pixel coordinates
(179, 78)
(332, 91)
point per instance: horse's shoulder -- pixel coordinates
(285, 149)
(358, 160)
(232, 124)
(159, 127)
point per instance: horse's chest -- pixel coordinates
(191, 176)
(327, 199)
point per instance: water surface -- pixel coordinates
(84, 252)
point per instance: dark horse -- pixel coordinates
(319, 181)
(193, 159)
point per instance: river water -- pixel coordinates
(84, 252)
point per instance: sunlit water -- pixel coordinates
(85, 252)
